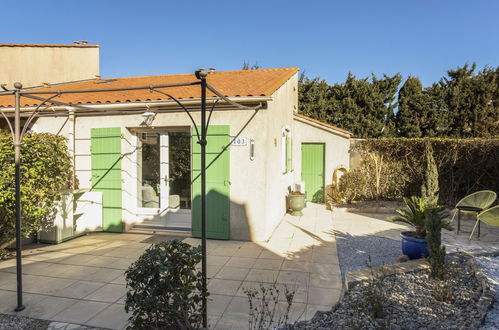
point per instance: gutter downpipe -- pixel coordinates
(71, 142)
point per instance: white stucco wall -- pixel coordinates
(35, 65)
(279, 114)
(337, 146)
(258, 187)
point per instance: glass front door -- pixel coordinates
(180, 168)
(152, 165)
(164, 171)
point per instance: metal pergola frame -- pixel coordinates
(18, 134)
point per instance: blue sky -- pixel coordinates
(324, 38)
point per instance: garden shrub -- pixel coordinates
(464, 165)
(45, 171)
(353, 185)
(165, 288)
(377, 178)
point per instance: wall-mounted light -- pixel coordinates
(148, 118)
(252, 149)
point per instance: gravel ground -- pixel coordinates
(354, 251)
(490, 268)
(16, 322)
(409, 303)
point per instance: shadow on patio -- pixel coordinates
(81, 281)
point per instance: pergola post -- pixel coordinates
(17, 161)
(201, 75)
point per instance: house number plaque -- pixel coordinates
(240, 141)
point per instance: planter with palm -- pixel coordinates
(414, 242)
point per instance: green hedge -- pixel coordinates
(464, 166)
(45, 171)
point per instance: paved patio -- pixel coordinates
(81, 281)
(301, 255)
(375, 224)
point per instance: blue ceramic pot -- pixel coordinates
(413, 247)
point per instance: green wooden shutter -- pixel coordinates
(312, 170)
(105, 148)
(217, 183)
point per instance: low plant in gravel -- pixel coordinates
(376, 291)
(165, 288)
(266, 309)
(411, 303)
(444, 288)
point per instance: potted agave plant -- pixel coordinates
(414, 243)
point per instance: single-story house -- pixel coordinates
(138, 149)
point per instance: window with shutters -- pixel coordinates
(287, 151)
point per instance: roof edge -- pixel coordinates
(144, 104)
(49, 45)
(312, 121)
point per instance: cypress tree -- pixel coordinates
(362, 106)
(429, 188)
(411, 104)
(472, 101)
(436, 259)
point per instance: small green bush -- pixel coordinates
(376, 291)
(45, 171)
(165, 288)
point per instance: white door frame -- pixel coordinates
(164, 174)
(164, 171)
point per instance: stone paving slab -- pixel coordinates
(352, 222)
(286, 259)
(77, 283)
(81, 282)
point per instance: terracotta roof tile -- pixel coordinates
(299, 115)
(262, 82)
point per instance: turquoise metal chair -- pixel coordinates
(489, 216)
(474, 203)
